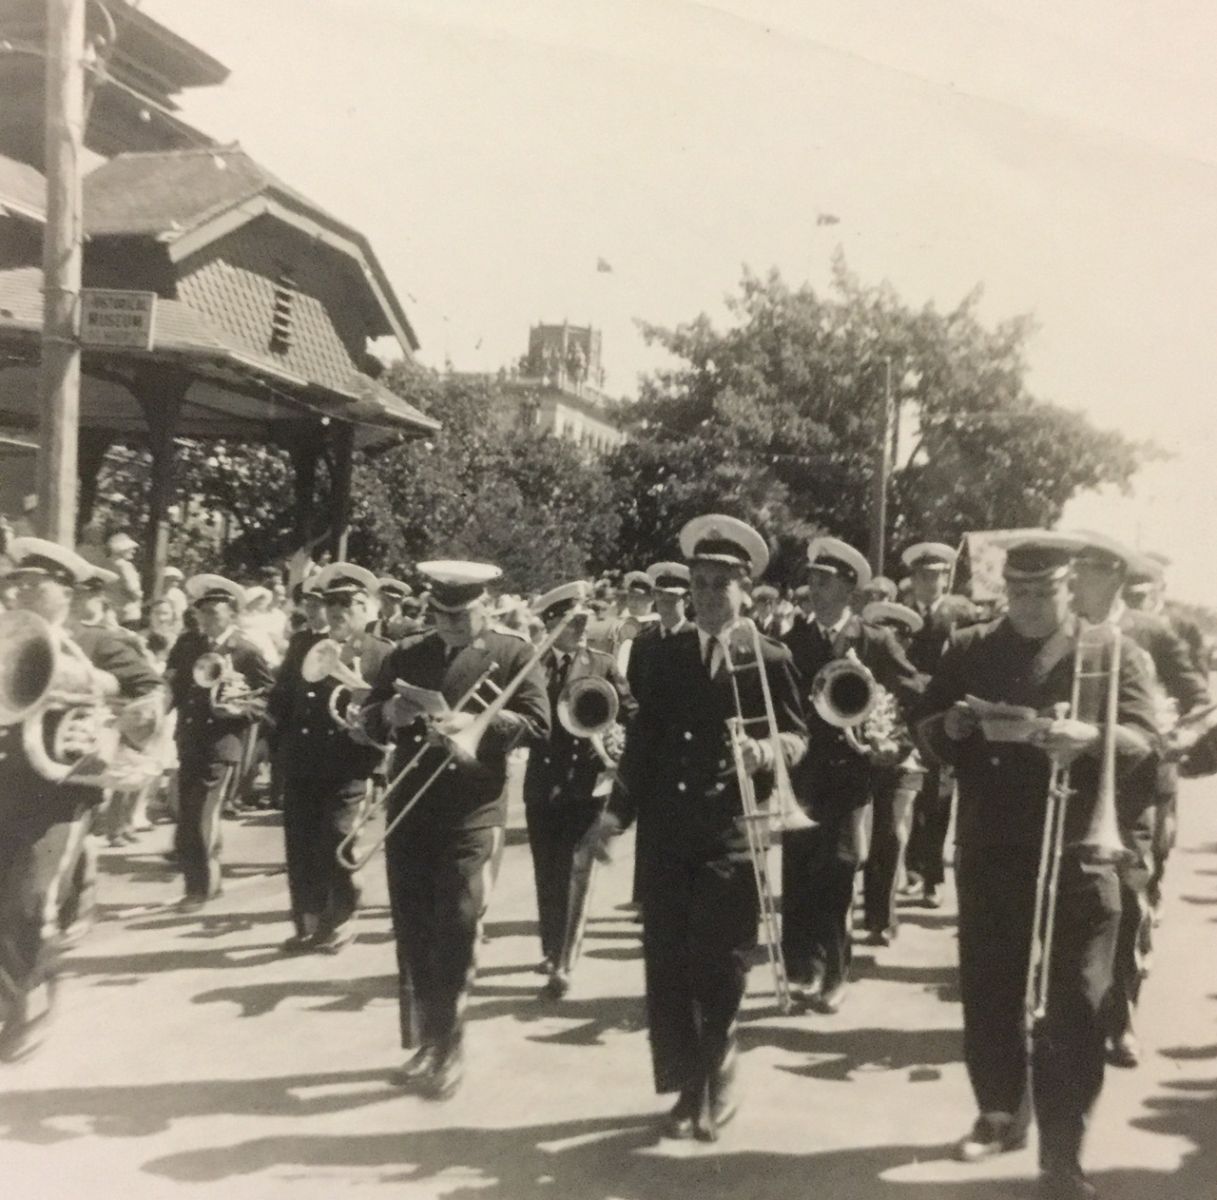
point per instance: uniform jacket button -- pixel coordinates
(304, 729)
(995, 761)
(452, 766)
(682, 786)
(310, 693)
(688, 735)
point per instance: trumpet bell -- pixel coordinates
(844, 693)
(324, 661)
(588, 706)
(27, 664)
(209, 669)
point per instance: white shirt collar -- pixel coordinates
(225, 637)
(833, 630)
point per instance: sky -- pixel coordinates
(1062, 156)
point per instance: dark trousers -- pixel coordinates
(1166, 828)
(555, 831)
(317, 815)
(931, 820)
(818, 867)
(41, 841)
(202, 788)
(895, 791)
(698, 931)
(438, 890)
(996, 904)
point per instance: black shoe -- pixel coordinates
(190, 904)
(334, 941)
(545, 967)
(558, 984)
(678, 1124)
(298, 943)
(446, 1073)
(830, 998)
(1125, 1051)
(805, 990)
(929, 897)
(993, 1133)
(416, 1068)
(880, 937)
(1065, 1183)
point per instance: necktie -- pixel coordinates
(709, 660)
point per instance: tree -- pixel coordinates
(482, 490)
(775, 419)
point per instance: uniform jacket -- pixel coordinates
(308, 742)
(464, 795)
(641, 655)
(202, 735)
(677, 774)
(926, 646)
(565, 767)
(834, 778)
(1171, 657)
(1003, 786)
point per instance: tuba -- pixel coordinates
(70, 729)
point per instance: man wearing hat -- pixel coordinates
(213, 726)
(438, 856)
(392, 622)
(562, 799)
(835, 780)
(639, 594)
(1026, 658)
(1145, 590)
(43, 823)
(897, 773)
(670, 592)
(678, 775)
(126, 590)
(929, 566)
(1100, 571)
(325, 767)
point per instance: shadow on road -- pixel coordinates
(337, 995)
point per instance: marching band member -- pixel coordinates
(639, 594)
(438, 856)
(896, 779)
(392, 622)
(1100, 570)
(699, 896)
(1027, 658)
(765, 610)
(835, 780)
(670, 590)
(43, 823)
(929, 565)
(561, 803)
(325, 767)
(214, 723)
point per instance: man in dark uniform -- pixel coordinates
(1100, 571)
(1027, 659)
(43, 822)
(562, 785)
(438, 856)
(765, 599)
(835, 780)
(897, 774)
(392, 622)
(325, 767)
(699, 893)
(212, 727)
(929, 565)
(639, 594)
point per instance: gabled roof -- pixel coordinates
(188, 198)
(184, 334)
(22, 190)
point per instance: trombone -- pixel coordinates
(462, 745)
(1096, 663)
(758, 822)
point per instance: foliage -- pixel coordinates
(776, 419)
(483, 490)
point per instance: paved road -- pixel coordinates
(192, 1059)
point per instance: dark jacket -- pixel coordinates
(1003, 786)
(465, 795)
(678, 772)
(203, 735)
(834, 778)
(926, 646)
(566, 767)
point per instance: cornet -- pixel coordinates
(230, 695)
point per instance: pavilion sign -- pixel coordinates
(113, 317)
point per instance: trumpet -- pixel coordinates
(324, 661)
(462, 745)
(71, 729)
(1096, 665)
(786, 816)
(230, 695)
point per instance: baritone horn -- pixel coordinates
(844, 693)
(587, 708)
(225, 685)
(324, 661)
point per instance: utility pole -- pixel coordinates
(881, 474)
(59, 392)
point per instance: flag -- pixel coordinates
(604, 266)
(827, 219)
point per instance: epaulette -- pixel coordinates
(507, 631)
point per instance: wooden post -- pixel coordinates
(160, 393)
(342, 449)
(61, 266)
(881, 473)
